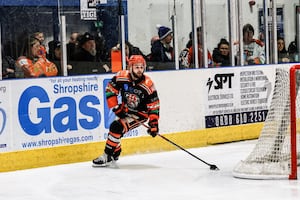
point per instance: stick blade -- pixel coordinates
(214, 167)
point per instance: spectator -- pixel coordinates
(161, 50)
(221, 55)
(101, 48)
(293, 50)
(186, 57)
(73, 38)
(71, 46)
(129, 50)
(40, 36)
(86, 50)
(253, 51)
(283, 55)
(184, 54)
(190, 42)
(54, 50)
(8, 67)
(32, 63)
(153, 39)
(55, 54)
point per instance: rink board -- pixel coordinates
(61, 120)
(146, 144)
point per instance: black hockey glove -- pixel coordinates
(120, 111)
(153, 128)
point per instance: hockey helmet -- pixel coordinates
(134, 59)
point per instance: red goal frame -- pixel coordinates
(293, 96)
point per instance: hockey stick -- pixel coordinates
(211, 166)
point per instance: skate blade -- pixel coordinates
(111, 164)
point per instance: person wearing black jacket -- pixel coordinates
(221, 54)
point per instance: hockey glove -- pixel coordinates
(120, 111)
(153, 128)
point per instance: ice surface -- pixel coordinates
(171, 175)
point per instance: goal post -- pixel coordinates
(275, 153)
(294, 86)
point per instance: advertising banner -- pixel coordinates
(56, 111)
(5, 136)
(88, 8)
(239, 96)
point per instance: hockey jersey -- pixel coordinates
(140, 96)
(41, 67)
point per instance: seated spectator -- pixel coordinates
(8, 67)
(73, 37)
(283, 55)
(72, 44)
(101, 48)
(221, 56)
(190, 42)
(254, 52)
(161, 50)
(55, 54)
(54, 50)
(86, 50)
(153, 39)
(40, 36)
(186, 56)
(32, 63)
(293, 50)
(129, 50)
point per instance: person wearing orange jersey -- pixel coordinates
(139, 103)
(32, 63)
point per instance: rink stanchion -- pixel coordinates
(211, 166)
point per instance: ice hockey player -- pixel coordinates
(139, 103)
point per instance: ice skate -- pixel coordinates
(103, 161)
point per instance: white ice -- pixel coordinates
(171, 175)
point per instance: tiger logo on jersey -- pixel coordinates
(132, 100)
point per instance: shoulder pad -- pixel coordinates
(148, 84)
(124, 74)
(148, 81)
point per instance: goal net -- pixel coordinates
(275, 154)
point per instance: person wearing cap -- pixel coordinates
(161, 50)
(54, 50)
(86, 48)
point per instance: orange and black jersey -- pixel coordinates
(138, 96)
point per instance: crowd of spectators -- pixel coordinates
(88, 47)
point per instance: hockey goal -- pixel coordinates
(275, 154)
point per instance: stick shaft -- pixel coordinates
(163, 137)
(182, 149)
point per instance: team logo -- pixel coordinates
(132, 100)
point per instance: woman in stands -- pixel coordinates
(32, 63)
